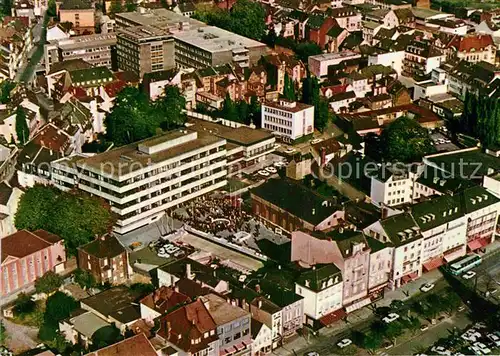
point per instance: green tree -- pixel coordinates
(289, 88)
(84, 279)
(7, 8)
(45, 207)
(306, 49)
(22, 129)
(142, 288)
(48, 283)
(169, 109)
(52, 8)
(58, 307)
(372, 341)
(248, 19)
(3, 333)
(322, 115)
(116, 7)
(243, 111)
(105, 336)
(404, 140)
(5, 89)
(130, 6)
(229, 110)
(24, 305)
(254, 110)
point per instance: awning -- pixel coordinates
(454, 255)
(409, 277)
(358, 305)
(332, 317)
(474, 245)
(433, 264)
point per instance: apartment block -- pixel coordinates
(80, 13)
(94, 49)
(318, 64)
(392, 186)
(289, 120)
(322, 289)
(142, 180)
(144, 49)
(213, 46)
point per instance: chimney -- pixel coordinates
(169, 329)
(260, 303)
(206, 303)
(188, 271)
(257, 288)
(176, 288)
(156, 296)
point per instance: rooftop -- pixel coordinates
(127, 159)
(244, 136)
(106, 246)
(213, 39)
(24, 243)
(96, 40)
(137, 345)
(221, 311)
(75, 5)
(161, 17)
(320, 277)
(472, 163)
(290, 106)
(112, 300)
(297, 200)
(401, 229)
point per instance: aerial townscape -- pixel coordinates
(249, 177)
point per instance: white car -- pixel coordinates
(390, 318)
(279, 164)
(469, 275)
(494, 339)
(312, 353)
(484, 349)
(344, 343)
(271, 170)
(290, 150)
(264, 173)
(440, 350)
(242, 278)
(316, 140)
(427, 287)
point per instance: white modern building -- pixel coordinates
(392, 186)
(322, 289)
(142, 180)
(388, 59)
(289, 120)
(318, 65)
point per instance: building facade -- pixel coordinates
(289, 120)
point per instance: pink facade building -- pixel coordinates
(27, 256)
(348, 250)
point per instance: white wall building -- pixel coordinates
(318, 65)
(290, 120)
(388, 59)
(391, 186)
(322, 289)
(142, 180)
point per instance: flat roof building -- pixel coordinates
(318, 65)
(213, 46)
(144, 49)
(288, 120)
(144, 179)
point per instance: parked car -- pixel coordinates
(424, 327)
(312, 353)
(494, 339)
(316, 140)
(427, 287)
(290, 150)
(387, 345)
(271, 169)
(440, 350)
(461, 308)
(344, 343)
(390, 318)
(263, 173)
(484, 349)
(469, 275)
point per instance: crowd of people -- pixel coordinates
(215, 214)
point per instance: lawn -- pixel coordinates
(234, 185)
(34, 319)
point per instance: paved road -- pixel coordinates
(19, 337)
(430, 336)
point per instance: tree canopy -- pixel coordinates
(246, 18)
(134, 117)
(84, 279)
(5, 88)
(404, 140)
(48, 283)
(289, 88)
(47, 208)
(480, 118)
(58, 307)
(22, 129)
(105, 336)
(23, 304)
(310, 95)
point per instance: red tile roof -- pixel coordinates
(164, 299)
(190, 322)
(52, 138)
(476, 42)
(137, 345)
(24, 243)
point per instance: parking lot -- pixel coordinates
(442, 142)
